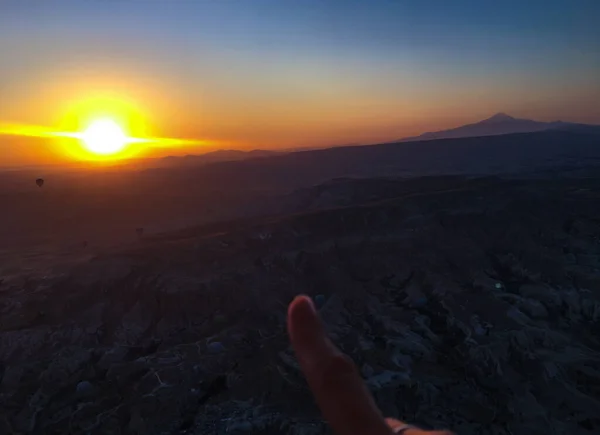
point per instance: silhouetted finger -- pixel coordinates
(332, 377)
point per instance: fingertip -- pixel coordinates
(302, 303)
(306, 330)
(300, 311)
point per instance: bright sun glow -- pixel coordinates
(100, 128)
(104, 137)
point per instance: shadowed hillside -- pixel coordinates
(466, 303)
(104, 207)
(515, 153)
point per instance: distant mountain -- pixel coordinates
(498, 124)
(518, 153)
(213, 157)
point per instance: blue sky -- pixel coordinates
(334, 68)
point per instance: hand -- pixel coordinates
(334, 379)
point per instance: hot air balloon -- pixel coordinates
(39, 182)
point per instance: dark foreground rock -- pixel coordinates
(469, 304)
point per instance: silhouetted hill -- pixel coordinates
(515, 153)
(104, 207)
(212, 157)
(498, 124)
(577, 128)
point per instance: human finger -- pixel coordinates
(332, 377)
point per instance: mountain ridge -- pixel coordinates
(499, 124)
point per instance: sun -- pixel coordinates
(104, 137)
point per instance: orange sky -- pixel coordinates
(348, 112)
(271, 77)
(296, 112)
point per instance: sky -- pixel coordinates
(292, 73)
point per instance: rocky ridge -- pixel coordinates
(472, 304)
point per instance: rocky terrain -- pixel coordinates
(468, 303)
(103, 207)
